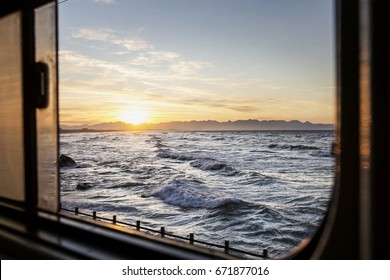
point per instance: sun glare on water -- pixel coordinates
(134, 116)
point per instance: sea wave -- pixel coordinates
(209, 186)
(218, 138)
(127, 185)
(112, 163)
(321, 154)
(303, 147)
(159, 145)
(190, 194)
(292, 147)
(209, 164)
(172, 155)
(84, 165)
(205, 164)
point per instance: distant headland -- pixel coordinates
(209, 125)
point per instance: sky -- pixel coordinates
(180, 60)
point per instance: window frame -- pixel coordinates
(353, 227)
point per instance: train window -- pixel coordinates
(213, 118)
(31, 227)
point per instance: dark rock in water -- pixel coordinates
(66, 161)
(83, 186)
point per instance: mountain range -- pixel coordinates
(209, 125)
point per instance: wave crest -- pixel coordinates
(190, 194)
(209, 164)
(321, 154)
(171, 155)
(292, 147)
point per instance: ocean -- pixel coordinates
(257, 189)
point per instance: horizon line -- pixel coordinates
(189, 121)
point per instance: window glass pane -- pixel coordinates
(47, 135)
(11, 113)
(223, 114)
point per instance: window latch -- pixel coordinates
(41, 82)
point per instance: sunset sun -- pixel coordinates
(134, 116)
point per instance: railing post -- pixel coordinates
(139, 225)
(76, 210)
(227, 246)
(94, 215)
(114, 219)
(192, 238)
(162, 231)
(265, 253)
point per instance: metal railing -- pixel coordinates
(163, 233)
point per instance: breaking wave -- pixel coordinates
(190, 194)
(205, 164)
(209, 164)
(172, 155)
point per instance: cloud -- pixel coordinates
(189, 66)
(97, 86)
(110, 36)
(93, 70)
(104, 34)
(230, 103)
(154, 59)
(106, 1)
(169, 81)
(132, 44)
(173, 63)
(96, 74)
(155, 56)
(163, 75)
